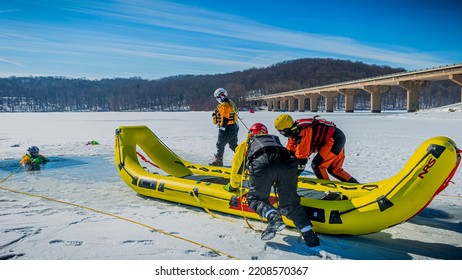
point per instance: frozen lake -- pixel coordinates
(34, 228)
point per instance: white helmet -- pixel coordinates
(220, 94)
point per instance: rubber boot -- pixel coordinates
(218, 161)
(275, 224)
(311, 238)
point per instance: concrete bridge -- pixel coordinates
(412, 82)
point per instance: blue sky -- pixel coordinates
(153, 39)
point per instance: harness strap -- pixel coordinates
(269, 150)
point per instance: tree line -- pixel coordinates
(194, 92)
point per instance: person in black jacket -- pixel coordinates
(271, 165)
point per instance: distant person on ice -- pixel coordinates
(33, 159)
(225, 117)
(313, 135)
(270, 165)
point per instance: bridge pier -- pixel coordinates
(314, 102)
(376, 97)
(290, 103)
(413, 92)
(277, 105)
(329, 95)
(282, 104)
(457, 78)
(269, 103)
(301, 103)
(349, 98)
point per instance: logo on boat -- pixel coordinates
(429, 165)
(242, 203)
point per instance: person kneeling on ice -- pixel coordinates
(33, 159)
(313, 135)
(270, 164)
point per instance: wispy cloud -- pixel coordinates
(2, 60)
(191, 19)
(8, 11)
(136, 35)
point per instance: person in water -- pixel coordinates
(33, 159)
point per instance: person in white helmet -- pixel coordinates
(225, 116)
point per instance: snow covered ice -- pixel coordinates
(129, 227)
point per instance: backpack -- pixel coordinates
(322, 129)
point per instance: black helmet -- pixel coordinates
(33, 150)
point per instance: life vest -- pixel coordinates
(227, 109)
(234, 114)
(261, 144)
(28, 159)
(322, 130)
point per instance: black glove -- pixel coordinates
(301, 165)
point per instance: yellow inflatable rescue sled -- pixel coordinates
(356, 209)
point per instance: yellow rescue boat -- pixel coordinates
(358, 208)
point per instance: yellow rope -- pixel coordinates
(203, 206)
(207, 210)
(240, 195)
(120, 218)
(245, 217)
(10, 175)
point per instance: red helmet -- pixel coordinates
(258, 128)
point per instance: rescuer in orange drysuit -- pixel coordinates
(313, 135)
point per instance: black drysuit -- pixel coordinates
(270, 163)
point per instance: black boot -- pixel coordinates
(311, 238)
(275, 224)
(217, 162)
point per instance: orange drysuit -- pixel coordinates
(330, 150)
